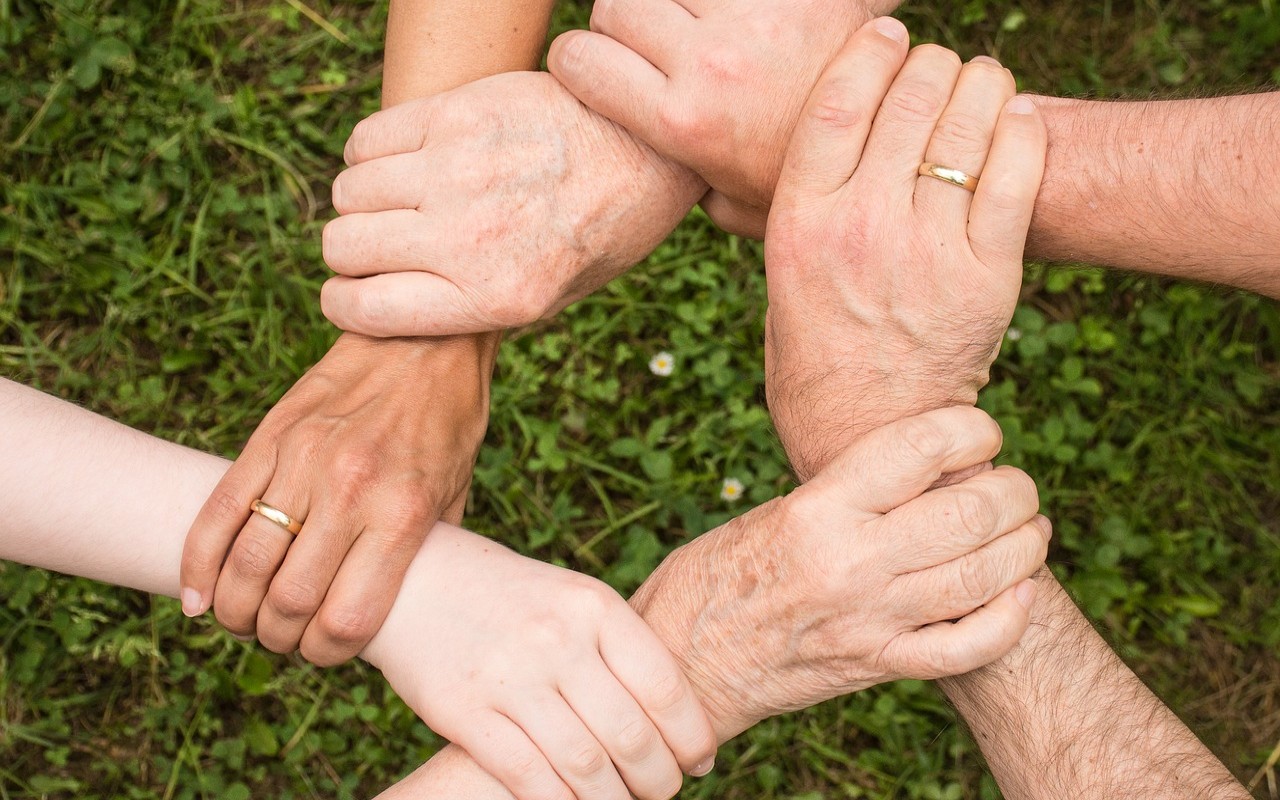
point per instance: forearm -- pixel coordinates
(1062, 716)
(1182, 188)
(432, 47)
(90, 497)
(436, 46)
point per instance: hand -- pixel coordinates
(374, 444)
(488, 207)
(711, 84)
(546, 677)
(889, 293)
(860, 576)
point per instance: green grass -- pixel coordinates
(163, 180)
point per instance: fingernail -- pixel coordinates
(890, 28)
(703, 768)
(984, 60)
(1020, 105)
(240, 638)
(192, 602)
(1026, 593)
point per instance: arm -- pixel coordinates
(515, 659)
(802, 615)
(1060, 716)
(434, 46)
(1178, 187)
(419, 407)
(1063, 716)
(807, 597)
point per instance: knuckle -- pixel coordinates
(572, 50)
(960, 133)
(1020, 485)
(973, 586)
(971, 514)
(680, 123)
(347, 625)
(293, 599)
(334, 244)
(358, 142)
(1003, 195)
(637, 738)
(366, 309)
(922, 440)
(528, 770)
(943, 659)
(351, 470)
(667, 691)
(518, 306)
(549, 633)
(585, 759)
(252, 558)
(914, 101)
(226, 506)
(835, 105)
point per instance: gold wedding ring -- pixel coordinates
(953, 176)
(277, 516)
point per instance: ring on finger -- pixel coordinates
(277, 516)
(951, 175)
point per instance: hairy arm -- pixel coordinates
(1062, 716)
(1183, 188)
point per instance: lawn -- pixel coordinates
(164, 172)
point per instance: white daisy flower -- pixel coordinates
(731, 489)
(663, 364)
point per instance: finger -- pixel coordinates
(403, 128)
(735, 217)
(398, 240)
(381, 184)
(896, 463)
(505, 751)
(658, 31)
(903, 126)
(962, 138)
(299, 587)
(828, 140)
(362, 593)
(958, 587)
(647, 670)
(944, 524)
(627, 734)
(571, 749)
(615, 82)
(403, 304)
(257, 553)
(220, 519)
(1001, 213)
(944, 649)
